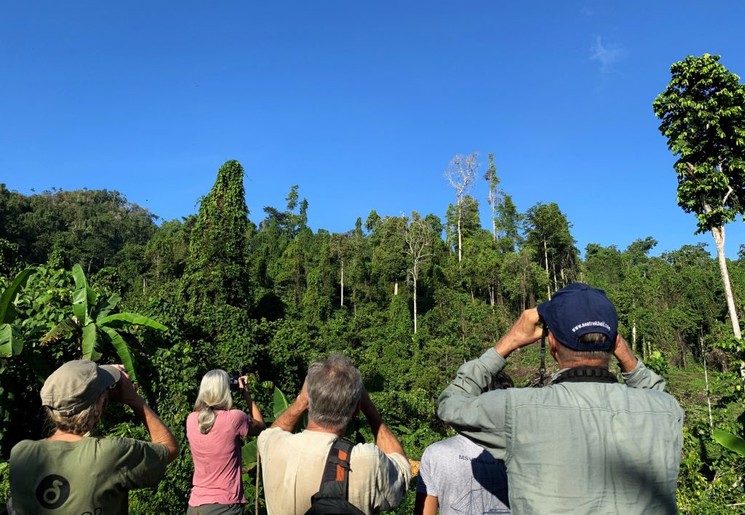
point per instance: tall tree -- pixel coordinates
(418, 238)
(493, 194)
(548, 235)
(216, 270)
(461, 173)
(702, 113)
(508, 224)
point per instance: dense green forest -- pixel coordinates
(408, 298)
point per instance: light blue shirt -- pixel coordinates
(585, 447)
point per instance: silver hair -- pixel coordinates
(214, 394)
(334, 391)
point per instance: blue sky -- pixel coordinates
(361, 104)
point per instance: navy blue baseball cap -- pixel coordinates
(576, 310)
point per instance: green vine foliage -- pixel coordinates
(274, 295)
(216, 270)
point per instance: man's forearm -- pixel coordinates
(159, 432)
(384, 437)
(290, 417)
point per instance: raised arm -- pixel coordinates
(633, 370)
(159, 432)
(257, 420)
(384, 437)
(292, 415)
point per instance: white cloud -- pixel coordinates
(607, 55)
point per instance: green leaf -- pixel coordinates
(67, 326)
(7, 311)
(91, 347)
(119, 320)
(730, 441)
(249, 454)
(122, 350)
(10, 343)
(83, 297)
(279, 402)
(109, 305)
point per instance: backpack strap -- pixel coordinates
(333, 495)
(337, 466)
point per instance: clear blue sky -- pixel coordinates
(362, 104)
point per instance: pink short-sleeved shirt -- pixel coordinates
(217, 458)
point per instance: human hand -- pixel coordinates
(525, 331)
(302, 400)
(124, 391)
(623, 353)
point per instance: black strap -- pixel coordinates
(337, 465)
(333, 494)
(586, 375)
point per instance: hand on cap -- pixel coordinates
(525, 331)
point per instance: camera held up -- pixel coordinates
(233, 377)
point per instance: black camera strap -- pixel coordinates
(586, 375)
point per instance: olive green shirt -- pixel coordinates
(92, 475)
(586, 447)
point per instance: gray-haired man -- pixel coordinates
(293, 463)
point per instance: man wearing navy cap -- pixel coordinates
(585, 443)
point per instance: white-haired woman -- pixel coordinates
(215, 431)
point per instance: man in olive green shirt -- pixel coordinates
(585, 443)
(74, 472)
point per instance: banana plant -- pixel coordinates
(96, 322)
(730, 441)
(11, 340)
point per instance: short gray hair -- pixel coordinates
(214, 394)
(334, 391)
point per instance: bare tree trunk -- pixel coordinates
(706, 381)
(395, 288)
(548, 275)
(460, 233)
(414, 303)
(342, 283)
(633, 337)
(718, 234)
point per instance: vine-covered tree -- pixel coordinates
(216, 269)
(702, 113)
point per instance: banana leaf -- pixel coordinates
(110, 304)
(119, 320)
(7, 310)
(65, 327)
(122, 350)
(279, 402)
(91, 345)
(249, 454)
(83, 297)
(730, 441)
(11, 343)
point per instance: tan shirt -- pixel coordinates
(292, 465)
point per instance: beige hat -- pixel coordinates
(76, 385)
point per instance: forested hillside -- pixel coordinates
(408, 298)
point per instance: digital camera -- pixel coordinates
(233, 377)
